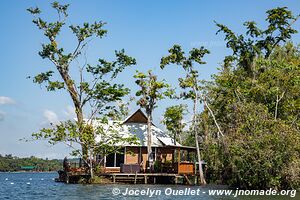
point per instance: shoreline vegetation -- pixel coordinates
(21, 172)
(12, 164)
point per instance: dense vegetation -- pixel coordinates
(260, 119)
(256, 100)
(9, 163)
(249, 129)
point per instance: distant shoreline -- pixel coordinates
(21, 172)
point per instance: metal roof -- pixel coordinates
(129, 127)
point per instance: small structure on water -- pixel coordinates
(28, 168)
(169, 156)
(172, 161)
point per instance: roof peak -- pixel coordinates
(137, 117)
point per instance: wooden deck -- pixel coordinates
(72, 176)
(133, 178)
(151, 178)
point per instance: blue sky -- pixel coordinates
(145, 29)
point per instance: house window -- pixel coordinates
(115, 159)
(119, 159)
(110, 160)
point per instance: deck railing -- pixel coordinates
(184, 167)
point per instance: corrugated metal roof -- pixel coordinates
(159, 137)
(168, 141)
(134, 126)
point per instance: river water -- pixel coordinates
(42, 186)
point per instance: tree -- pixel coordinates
(11, 163)
(173, 119)
(151, 91)
(257, 104)
(257, 42)
(100, 136)
(190, 84)
(91, 89)
(255, 137)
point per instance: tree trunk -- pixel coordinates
(77, 104)
(149, 140)
(201, 175)
(180, 138)
(214, 118)
(205, 122)
(174, 138)
(91, 167)
(276, 105)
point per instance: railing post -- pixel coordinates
(178, 159)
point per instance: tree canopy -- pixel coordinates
(10, 163)
(173, 119)
(151, 91)
(256, 101)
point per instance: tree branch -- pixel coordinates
(278, 99)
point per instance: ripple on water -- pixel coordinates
(43, 187)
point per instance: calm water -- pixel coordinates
(42, 186)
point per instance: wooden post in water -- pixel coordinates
(187, 180)
(114, 178)
(67, 178)
(135, 177)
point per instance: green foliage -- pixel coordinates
(260, 153)
(87, 30)
(190, 84)
(157, 166)
(260, 118)
(100, 136)
(177, 56)
(92, 90)
(45, 77)
(98, 89)
(100, 180)
(255, 99)
(151, 90)
(173, 119)
(257, 42)
(9, 163)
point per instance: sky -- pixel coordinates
(145, 29)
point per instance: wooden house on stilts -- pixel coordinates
(172, 161)
(170, 157)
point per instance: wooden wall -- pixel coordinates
(136, 155)
(132, 155)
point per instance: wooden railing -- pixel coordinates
(184, 168)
